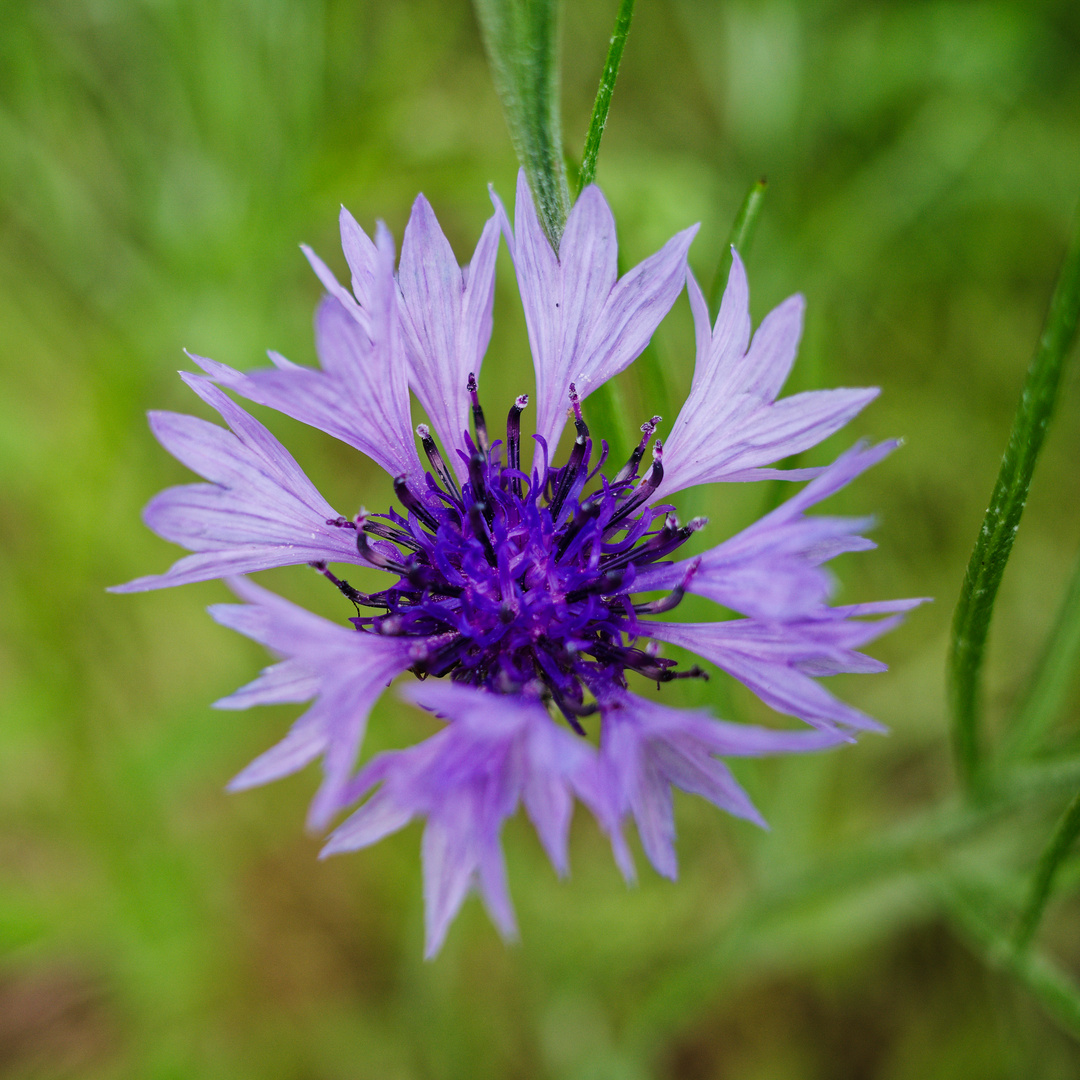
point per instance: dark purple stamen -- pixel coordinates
(358, 598)
(645, 488)
(630, 469)
(479, 423)
(437, 463)
(395, 536)
(412, 503)
(513, 440)
(523, 582)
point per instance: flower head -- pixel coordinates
(523, 593)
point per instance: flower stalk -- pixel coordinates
(974, 609)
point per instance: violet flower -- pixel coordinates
(522, 585)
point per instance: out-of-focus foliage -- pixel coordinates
(159, 163)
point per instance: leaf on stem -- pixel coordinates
(521, 38)
(598, 122)
(971, 622)
(1054, 988)
(1054, 677)
(742, 233)
(1049, 863)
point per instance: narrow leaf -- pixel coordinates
(603, 95)
(971, 622)
(742, 233)
(1054, 988)
(911, 850)
(1038, 779)
(1060, 843)
(521, 38)
(1054, 677)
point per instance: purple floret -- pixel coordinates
(524, 582)
(466, 781)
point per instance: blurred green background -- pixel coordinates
(160, 160)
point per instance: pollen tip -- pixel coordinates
(694, 524)
(521, 400)
(575, 404)
(423, 431)
(471, 384)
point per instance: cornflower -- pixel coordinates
(523, 595)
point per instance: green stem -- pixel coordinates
(971, 622)
(521, 38)
(1068, 828)
(742, 233)
(603, 95)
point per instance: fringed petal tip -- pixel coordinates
(732, 426)
(140, 584)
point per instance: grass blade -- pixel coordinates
(742, 233)
(971, 622)
(522, 38)
(1055, 989)
(1049, 863)
(603, 95)
(1054, 677)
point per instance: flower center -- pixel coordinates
(522, 582)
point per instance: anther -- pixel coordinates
(346, 589)
(694, 672)
(513, 440)
(579, 420)
(478, 415)
(587, 512)
(629, 470)
(647, 486)
(673, 598)
(477, 520)
(575, 403)
(573, 710)
(606, 585)
(437, 463)
(476, 477)
(395, 536)
(412, 503)
(577, 458)
(374, 556)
